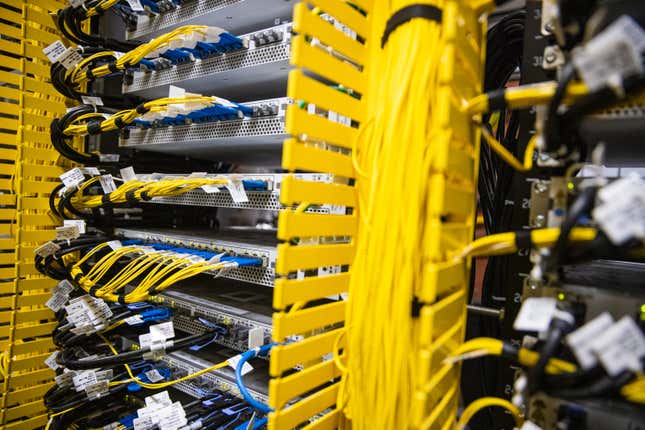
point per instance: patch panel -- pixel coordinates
(234, 15)
(268, 199)
(233, 242)
(223, 379)
(261, 70)
(259, 136)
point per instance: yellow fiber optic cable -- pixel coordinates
(486, 402)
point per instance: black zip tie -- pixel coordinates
(416, 307)
(119, 122)
(121, 299)
(408, 13)
(112, 67)
(105, 200)
(144, 196)
(93, 290)
(141, 109)
(94, 127)
(523, 239)
(130, 198)
(497, 100)
(90, 75)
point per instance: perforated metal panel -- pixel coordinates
(245, 138)
(261, 71)
(233, 15)
(223, 379)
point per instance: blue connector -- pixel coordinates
(128, 421)
(178, 56)
(255, 185)
(256, 424)
(156, 314)
(134, 386)
(229, 43)
(147, 65)
(150, 5)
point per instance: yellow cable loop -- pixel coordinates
(486, 402)
(51, 417)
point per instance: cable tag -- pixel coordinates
(163, 331)
(256, 337)
(96, 391)
(54, 51)
(535, 314)
(622, 212)
(60, 295)
(134, 320)
(70, 58)
(107, 183)
(172, 417)
(65, 379)
(84, 379)
(92, 100)
(91, 171)
(621, 347)
(51, 361)
(47, 249)
(154, 376)
(135, 5)
(246, 367)
(236, 188)
(115, 244)
(211, 188)
(611, 55)
(143, 423)
(128, 174)
(581, 340)
(109, 158)
(67, 232)
(79, 223)
(72, 178)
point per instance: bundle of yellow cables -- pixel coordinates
(161, 269)
(126, 116)
(140, 190)
(392, 156)
(79, 74)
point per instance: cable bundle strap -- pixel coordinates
(408, 13)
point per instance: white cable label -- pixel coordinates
(72, 178)
(65, 379)
(115, 244)
(92, 100)
(172, 417)
(581, 340)
(622, 212)
(611, 55)
(107, 183)
(67, 232)
(127, 174)
(256, 338)
(79, 223)
(91, 171)
(109, 158)
(47, 249)
(84, 379)
(535, 314)
(134, 320)
(163, 331)
(51, 361)
(70, 58)
(621, 347)
(54, 51)
(56, 302)
(211, 188)
(246, 367)
(96, 391)
(154, 375)
(135, 5)
(236, 188)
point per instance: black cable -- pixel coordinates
(552, 127)
(131, 356)
(582, 205)
(557, 330)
